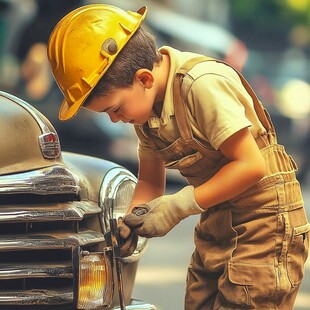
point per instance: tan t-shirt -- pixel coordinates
(218, 105)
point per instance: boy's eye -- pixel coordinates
(116, 109)
(113, 109)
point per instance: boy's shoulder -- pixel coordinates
(204, 65)
(211, 67)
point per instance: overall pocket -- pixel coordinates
(184, 162)
(297, 254)
(245, 284)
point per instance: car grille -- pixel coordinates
(39, 250)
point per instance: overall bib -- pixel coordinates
(250, 251)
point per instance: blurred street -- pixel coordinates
(162, 270)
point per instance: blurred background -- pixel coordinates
(268, 40)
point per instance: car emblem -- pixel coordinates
(50, 146)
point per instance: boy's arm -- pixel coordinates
(246, 168)
(151, 181)
(151, 184)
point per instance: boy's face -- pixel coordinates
(129, 105)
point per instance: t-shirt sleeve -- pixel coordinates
(218, 107)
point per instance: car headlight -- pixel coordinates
(115, 196)
(95, 281)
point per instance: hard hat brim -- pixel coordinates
(68, 111)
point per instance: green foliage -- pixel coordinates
(271, 16)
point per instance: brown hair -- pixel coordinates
(139, 52)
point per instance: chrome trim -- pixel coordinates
(108, 191)
(36, 297)
(35, 270)
(49, 241)
(110, 184)
(50, 180)
(70, 211)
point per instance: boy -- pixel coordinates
(197, 115)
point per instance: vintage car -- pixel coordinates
(59, 247)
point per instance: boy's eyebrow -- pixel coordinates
(106, 109)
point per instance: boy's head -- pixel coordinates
(140, 52)
(84, 45)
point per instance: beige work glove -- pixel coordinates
(129, 238)
(159, 216)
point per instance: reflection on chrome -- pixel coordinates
(37, 297)
(50, 240)
(68, 211)
(114, 199)
(51, 180)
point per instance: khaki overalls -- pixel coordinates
(250, 251)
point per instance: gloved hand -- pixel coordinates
(129, 238)
(159, 216)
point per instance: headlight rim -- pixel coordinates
(108, 191)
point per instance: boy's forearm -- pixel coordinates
(230, 181)
(145, 192)
(246, 168)
(151, 181)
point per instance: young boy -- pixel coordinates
(200, 116)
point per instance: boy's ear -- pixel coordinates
(145, 77)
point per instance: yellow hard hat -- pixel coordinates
(83, 46)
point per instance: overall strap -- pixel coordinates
(179, 100)
(181, 93)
